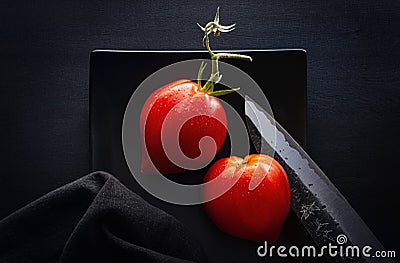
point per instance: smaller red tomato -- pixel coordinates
(257, 214)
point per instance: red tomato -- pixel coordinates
(175, 104)
(257, 214)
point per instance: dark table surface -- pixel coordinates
(353, 85)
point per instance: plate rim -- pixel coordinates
(194, 50)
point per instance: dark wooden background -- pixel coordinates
(353, 85)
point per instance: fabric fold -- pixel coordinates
(95, 219)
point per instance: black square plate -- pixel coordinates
(114, 76)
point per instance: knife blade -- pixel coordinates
(321, 208)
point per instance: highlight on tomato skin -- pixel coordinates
(180, 109)
(257, 214)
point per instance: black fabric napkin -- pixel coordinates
(95, 219)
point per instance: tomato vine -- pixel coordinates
(215, 77)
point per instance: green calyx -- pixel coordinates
(215, 77)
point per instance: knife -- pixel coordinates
(322, 209)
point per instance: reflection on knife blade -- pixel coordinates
(322, 209)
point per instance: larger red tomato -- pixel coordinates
(175, 104)
(257, 214)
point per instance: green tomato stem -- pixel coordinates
(200, 73)
(233, 56)
(215, 76)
